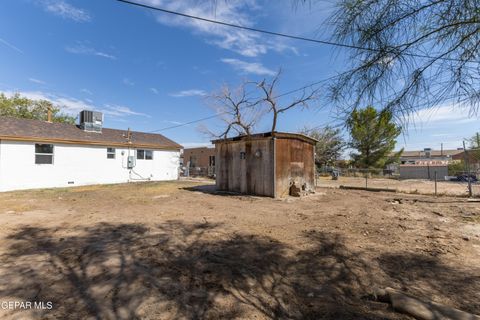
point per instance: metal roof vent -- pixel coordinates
(91, 121)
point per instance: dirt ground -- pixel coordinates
(178, 250)
(415, 186)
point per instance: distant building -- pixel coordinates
(428, 154)
(266, 164)
(427, 163)
(424, 171)
(200, 161)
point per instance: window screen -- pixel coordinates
(110, 153)
(148, 155)
(43, 153)
(144, 154)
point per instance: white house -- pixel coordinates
(42, 154)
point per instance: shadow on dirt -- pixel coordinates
(192, 271)
(414, 271)
(212, 189)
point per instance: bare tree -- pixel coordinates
(409, 54)
(239, 111)
(269, 99)
(242, 108)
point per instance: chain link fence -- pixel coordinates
(458, 176)
(208, 172)
(471, 171)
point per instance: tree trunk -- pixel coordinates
(274, 124)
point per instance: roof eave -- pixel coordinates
(94, 143)
(267, 135)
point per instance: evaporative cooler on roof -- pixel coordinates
(91, 121)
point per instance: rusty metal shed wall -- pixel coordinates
(294, 163)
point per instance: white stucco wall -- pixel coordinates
(80, 164)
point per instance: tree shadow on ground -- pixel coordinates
(189, 271)
(427, 276)
(212, 190)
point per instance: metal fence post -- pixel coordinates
(467, 168)
(366, 179)
(435, 183)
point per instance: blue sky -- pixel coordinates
(147, 70)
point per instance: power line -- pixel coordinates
(188, 123)
(222, 113)
(284, 35)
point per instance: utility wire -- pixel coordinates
(274, 34)
(284, 35)
(188, 123)
(222, 113)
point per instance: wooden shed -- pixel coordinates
(265, 164)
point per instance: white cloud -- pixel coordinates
(34, 80)
(67, 104)
(189, 93)
(173, 122)
(84, 90)
(154, 90)
(443, 114)
(81, 48)
(11, 46)
(121, 111)
(65, 10)
(249, 67)
(73, 106)
(128, 82)
(435, 135)
(240, 12)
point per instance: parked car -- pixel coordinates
(464, 177)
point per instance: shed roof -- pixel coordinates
(281, 135)
(42, 131)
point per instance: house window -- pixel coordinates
(243, 155)
(110, 153)
(144, 154)
(211, 160)
(43, 153)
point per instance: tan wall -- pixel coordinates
(294, 163)
(201, 154)
(423, 172)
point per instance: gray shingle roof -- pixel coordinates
(42, 131)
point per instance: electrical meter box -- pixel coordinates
(130, 162)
